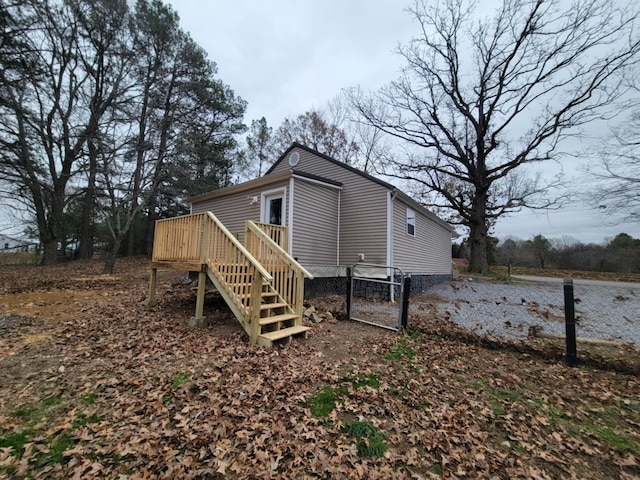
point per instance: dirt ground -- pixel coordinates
(31, 307)
(95, 384)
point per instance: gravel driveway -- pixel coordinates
(603, 311)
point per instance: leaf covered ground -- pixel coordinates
(95, 384)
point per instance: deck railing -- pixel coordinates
(201, 238)
(233, 265)
(288, 275)
(179, 239)
(277, 233)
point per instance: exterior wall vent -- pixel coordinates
(294, 158)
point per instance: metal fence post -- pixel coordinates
(406, 293)
(349, 287)
(570, 323)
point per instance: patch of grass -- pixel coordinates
(9, 470)
(496, 408)
(480, 383)
(551, 410)
(57, 446)
(498, 398)
(412, 333)
(180, 379)
(15, 441)
(26, 412)
(423, 405)
(509, 396)
(398, 393)
(437, 469)
(401, 350)
(610, 437)
(52, 401)
(82, 420)
(370, 380)
(88, 398)
(323, 403)
(370, 438)
(32, 414)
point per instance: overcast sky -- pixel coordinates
(285, 57)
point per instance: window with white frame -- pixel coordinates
(411, 222)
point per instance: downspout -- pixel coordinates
(390, 198)
(290, 219)
(338, 231)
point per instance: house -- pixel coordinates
(337, 216)
(267, 243)
(9, 244)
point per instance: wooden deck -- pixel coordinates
(262, 284)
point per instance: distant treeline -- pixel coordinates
(621, 254)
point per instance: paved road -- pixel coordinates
(578, 281)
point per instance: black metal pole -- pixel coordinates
(570, 323)
(406, 293)
(349, 285)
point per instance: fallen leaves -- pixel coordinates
(142, 395)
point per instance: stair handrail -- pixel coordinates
(292, 262)
(288, 274)
(277, 233)
(241, 248)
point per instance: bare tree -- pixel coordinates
(617, 174)
(480, 99)
(46, 120)
(315, 131)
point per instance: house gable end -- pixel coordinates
(276, 168)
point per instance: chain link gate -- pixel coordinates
(378, 295)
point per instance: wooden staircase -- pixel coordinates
(278, 321)
(262, 284)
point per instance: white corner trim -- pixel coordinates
(290, 219)
(389, 228)
(338, 231)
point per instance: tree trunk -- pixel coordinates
(85, 250)
(479, 235)
(151, 226)
(50, 252)
(131, 242)
(110, 257)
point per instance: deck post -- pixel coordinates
(152, 286)
(256, 298)
(299, 293)
(202, 282)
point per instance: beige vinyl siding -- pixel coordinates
(235, 209)
(315, 223)
(428, 252)
(363, 207)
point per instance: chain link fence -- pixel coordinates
(606, 311)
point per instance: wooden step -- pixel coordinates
(278, 318)
(263, 295)
(267, 306)
(267, 339)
